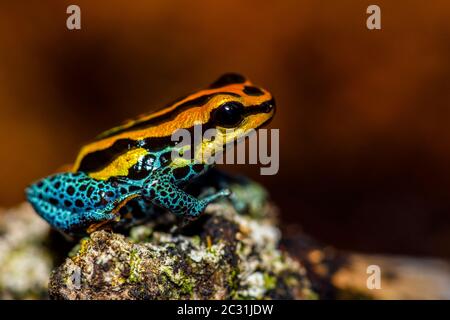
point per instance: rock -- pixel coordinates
(223, 255)
(25, 263)
(320, 261)
(400, 278)
(337, 274)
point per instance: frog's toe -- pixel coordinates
(224, 193)
(220, 194)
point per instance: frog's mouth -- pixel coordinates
(258, 116)
(265, 107)
(233, 143)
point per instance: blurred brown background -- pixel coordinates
(364, 116)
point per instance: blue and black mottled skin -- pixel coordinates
(73, 201)
(76, 202)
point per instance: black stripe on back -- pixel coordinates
(96, 160)
(199, 101)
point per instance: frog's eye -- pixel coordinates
(229, 114)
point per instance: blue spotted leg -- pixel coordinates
(164, 192)
(72, 202)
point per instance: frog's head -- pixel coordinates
(231, 102)
(236, 108)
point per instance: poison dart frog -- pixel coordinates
(130, 166)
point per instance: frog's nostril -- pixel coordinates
(268, 106)
(272, 105)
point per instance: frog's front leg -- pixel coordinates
(164, 192)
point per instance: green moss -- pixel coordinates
(135, 267)
(117, 281)
(196, 240)
(74, 251)
(232, 281)
(249, 198)
(270, 281)
(291, 280)
(312, 296)
(141, 234)
(80, 249)
(187, 287)
(212, 250)
(185, 283)
(170, 245)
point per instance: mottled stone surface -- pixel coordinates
(223, 255)
(25, 262)
(401, 278)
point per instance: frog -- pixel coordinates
(131, 166)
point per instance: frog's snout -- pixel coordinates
(32, 193)
(269, 106)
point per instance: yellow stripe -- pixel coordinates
(120, 166)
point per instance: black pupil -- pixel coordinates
(229, 114)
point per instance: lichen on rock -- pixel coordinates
(233, 251)
(25, 262)
(222, 255)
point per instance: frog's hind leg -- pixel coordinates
(71, 202)
(66, 220)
